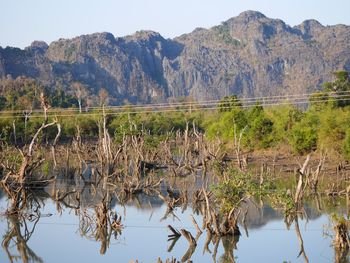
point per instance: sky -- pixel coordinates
(22, 21)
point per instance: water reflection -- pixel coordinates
(122, 225)
(20, 229)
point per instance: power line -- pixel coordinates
(199, 103)
(190, 107)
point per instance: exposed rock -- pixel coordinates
(248, 55)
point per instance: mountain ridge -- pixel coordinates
(247, 55)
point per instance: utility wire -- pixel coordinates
(195, 103)
(178, 109)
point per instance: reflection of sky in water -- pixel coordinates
(57, 239)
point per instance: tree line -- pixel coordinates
(323, 124)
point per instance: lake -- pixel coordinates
(66, 234)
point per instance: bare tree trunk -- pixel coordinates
(237, 145)
(14, 131)
(26, 118)
(79, 102)
(299, 192)
(55, 143)
(316, 174)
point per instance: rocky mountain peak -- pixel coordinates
(248, 55)
(145, 35)
(310, 27)
(38, 47)
(248, 16)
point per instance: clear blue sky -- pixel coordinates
(23, 21)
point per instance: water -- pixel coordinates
(57, 237)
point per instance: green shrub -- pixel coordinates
(346, 145)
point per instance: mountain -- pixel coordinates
(248, 55)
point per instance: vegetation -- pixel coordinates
(325, 124)
(135, 151)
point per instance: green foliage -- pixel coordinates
(232, 192)
(260, 128)
(325, 124)
(241, 186)
(346, 144)
(229, 103)
(59, 99)
(153, 126)
(24, 94)
(284, 118)
(46, 168)
(340, 85)
(224, 126)
(319, 101)
(332, 128)
(282, 199)
(6, 129)
(303, 137)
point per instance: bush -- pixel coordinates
(260, 128)
(346, 145)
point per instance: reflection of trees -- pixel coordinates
(289, 219)
(301, 242)
(341, 239)
(229, 243)
(18, 234)
(22, 216)
(100, 224)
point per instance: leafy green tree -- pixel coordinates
(284, 117)
(346, 144)
(260, 127)
(2, 102)
(303, 136)
(340, 86)
(223, 126)
(319, 101)
(229, 103)
(333, 123)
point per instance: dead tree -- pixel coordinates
(29, 163)
(45, 105)
(14, 131)
(237, 145)
(302, 178)
(53, 146)
(314, 177)
(26, 114)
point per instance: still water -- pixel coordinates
(57, 236)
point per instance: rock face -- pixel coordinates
(248, 55)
